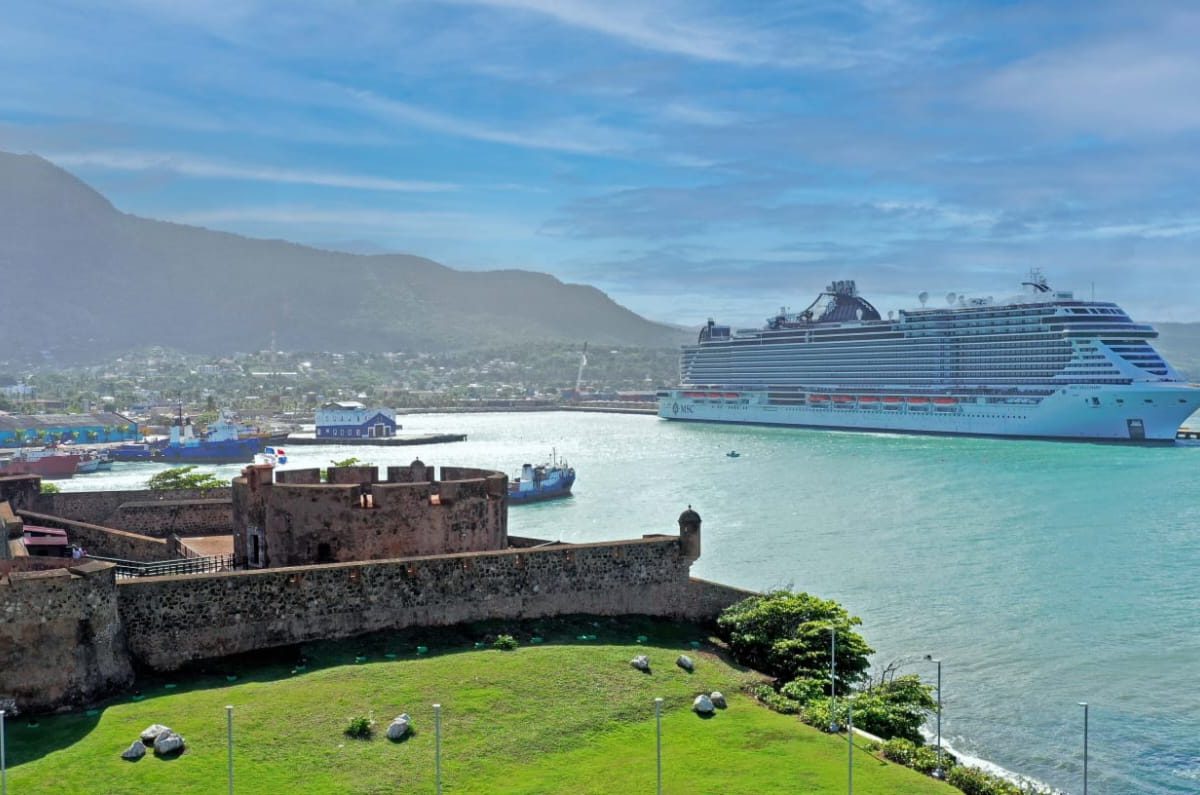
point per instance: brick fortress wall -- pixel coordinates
(61, 637)
(290, 518)
(173, 620)
(160, 514)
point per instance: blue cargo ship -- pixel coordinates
(221, 445)
(543, 482)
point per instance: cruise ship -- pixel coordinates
(1042, 364)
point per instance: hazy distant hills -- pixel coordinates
(80, 277)
(1179, 343)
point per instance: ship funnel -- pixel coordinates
(923, 297)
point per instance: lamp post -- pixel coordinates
(833, 724)
(437, 747)
(938, 772)
(850, 750)
(658, 702)
(229, 743)
(1084, 704)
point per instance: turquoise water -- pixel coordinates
(1041, 573)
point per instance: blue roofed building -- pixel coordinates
(350, 419)
(40, 429)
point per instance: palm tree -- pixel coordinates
(93, 436)
(108, 432)
(39, 436)
(18, 437)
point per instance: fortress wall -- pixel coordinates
(164, 518)
(707, 599)
(20, 491)
(105, 541)
(309, 476)
(107, 508)
(173, 620)
(61, 640)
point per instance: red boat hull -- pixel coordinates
(50, 467)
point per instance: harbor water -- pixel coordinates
(1042, 574)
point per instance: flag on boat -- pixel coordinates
(271, 455)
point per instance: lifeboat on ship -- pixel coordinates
(892, 402)
(818, 400)
(945, 403)
(921, 403)
(868, 400)
(844, 401)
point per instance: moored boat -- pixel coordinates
(547, 481)
(48, 463)
(221, 445)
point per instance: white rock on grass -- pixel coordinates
(399, 727)
(168, 743)
(718, 699)
(685, 662)
(150, 733)
(641, 662)
(703, 705)
(135, 751)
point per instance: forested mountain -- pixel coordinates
(81, 278)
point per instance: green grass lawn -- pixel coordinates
(566, 716)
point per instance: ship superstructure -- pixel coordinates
(1042, 364)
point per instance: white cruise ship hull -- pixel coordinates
(1134, 413)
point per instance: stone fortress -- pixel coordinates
(313, 558)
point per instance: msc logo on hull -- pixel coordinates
(678, 409)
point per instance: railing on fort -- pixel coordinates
(191, 565)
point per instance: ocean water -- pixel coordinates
(1041, 573)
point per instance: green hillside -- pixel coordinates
(570, 717)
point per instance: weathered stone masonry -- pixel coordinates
(160, 514)
(61, 638)
(291, 518)
(172, 620)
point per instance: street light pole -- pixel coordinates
(939, 772)
(229, 743)
(658, 702)
(850, 752)
(833, 726)
(1084, 704)
(437, 747)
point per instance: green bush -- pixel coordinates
(896, 708)
(360, 728)
(505, 643)
(786, 635)
(775, 701)
(805, 690)
(185, 478)
(921, 758)
(974, 781)
(50, 488)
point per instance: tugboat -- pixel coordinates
(547, 481)
(221, 445)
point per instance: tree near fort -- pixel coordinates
(185, 478)
(787, 635)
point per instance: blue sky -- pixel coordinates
(690, 158)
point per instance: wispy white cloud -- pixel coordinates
(689, 113)
(644, 25)
(1140, 80)
(204, 168)
(572, 135)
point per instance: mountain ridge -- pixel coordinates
(99, 280)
